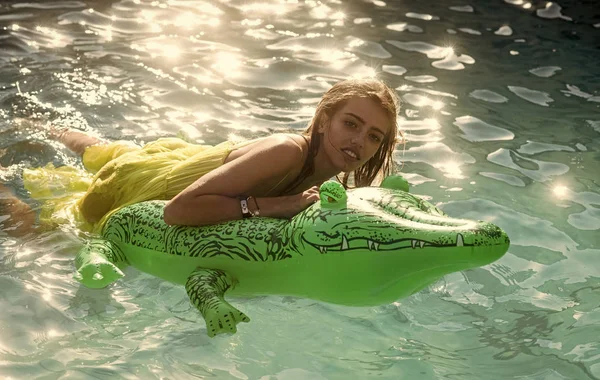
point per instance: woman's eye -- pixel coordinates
(375, 138)
(350, 123)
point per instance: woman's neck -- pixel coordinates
(324, 168)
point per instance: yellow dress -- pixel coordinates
(124, 174)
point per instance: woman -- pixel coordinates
(353, 132)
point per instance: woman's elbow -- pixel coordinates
(170, 213)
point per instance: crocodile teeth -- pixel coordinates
(323, 249)
(415, 242)
(459, 240)
(344, 243)
(373, 245)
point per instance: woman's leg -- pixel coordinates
(21, 218)
(76, 141)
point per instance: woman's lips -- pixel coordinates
(351, 153)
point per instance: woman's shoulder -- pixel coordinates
(280, 142)
(284, 146)
(292, 143)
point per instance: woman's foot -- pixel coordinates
(74, 140)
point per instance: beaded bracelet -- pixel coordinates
(257, 212)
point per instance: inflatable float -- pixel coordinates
(361, 247)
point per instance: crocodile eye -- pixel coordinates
(333, 195)
(395, 182)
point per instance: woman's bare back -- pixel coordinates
(277, 185)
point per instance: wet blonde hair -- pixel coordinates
(381, 164)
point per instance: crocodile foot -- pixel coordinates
(98, 274)
(223, 318)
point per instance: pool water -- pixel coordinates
(501, 111)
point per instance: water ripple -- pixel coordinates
(533, 96)
(500, 113)
(478, 130)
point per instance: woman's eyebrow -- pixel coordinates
(363, 121)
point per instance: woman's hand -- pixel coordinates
(299, 202)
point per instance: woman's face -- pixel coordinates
(355, 133)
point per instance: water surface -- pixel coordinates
(501, 113)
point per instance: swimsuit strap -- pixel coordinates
(277, 185)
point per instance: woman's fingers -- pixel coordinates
(311, 195)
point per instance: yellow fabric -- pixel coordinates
(58, 190)
(125, 174)
(96, 156)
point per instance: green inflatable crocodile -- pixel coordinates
(367, 246)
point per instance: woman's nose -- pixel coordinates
(358, 139)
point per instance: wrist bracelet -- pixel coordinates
(244, 207)
(257, 212)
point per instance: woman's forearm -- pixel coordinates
(212, 209)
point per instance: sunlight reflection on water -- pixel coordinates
(500, 112)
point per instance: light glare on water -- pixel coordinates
(500, 110)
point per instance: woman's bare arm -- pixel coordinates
(213, 197)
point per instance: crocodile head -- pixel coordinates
(390, 242)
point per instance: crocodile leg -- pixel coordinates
(98, 264)
(206, 288)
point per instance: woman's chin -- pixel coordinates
(348, 167)
(343, 163)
